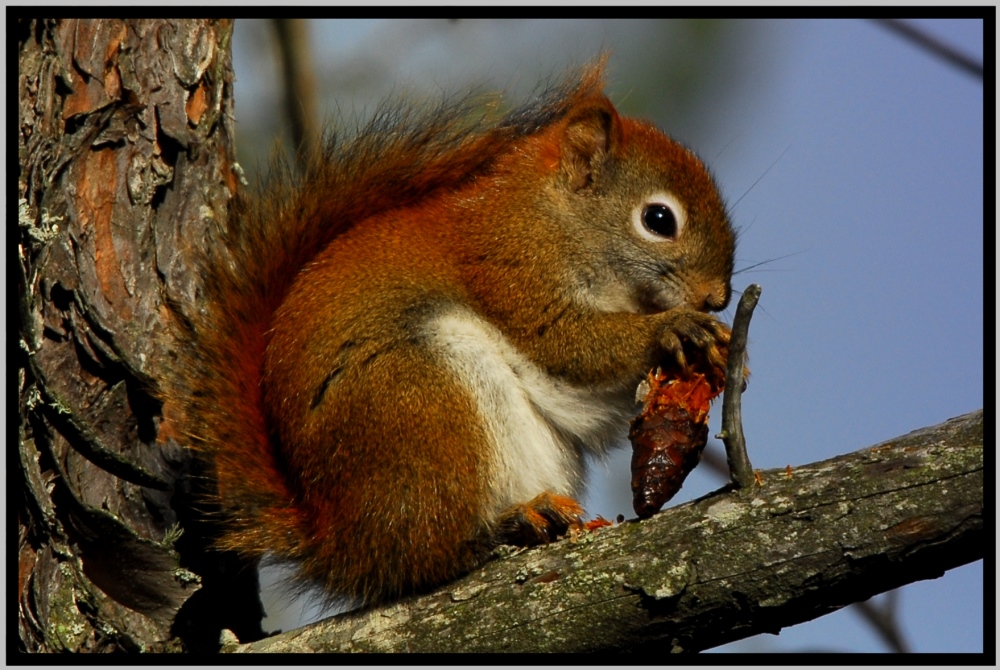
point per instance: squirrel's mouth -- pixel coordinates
(655, 296)
(660, 295)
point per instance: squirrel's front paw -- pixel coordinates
(541, 520)
(686, 332)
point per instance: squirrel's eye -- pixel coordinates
(660, 219)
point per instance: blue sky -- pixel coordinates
(852, 154)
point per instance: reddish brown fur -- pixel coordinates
(337, 439)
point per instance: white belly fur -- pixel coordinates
(538, 426)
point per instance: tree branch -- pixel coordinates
(730, 565)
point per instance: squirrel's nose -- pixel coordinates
(710, 296)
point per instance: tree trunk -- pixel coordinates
(125, 140)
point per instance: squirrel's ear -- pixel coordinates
(589, 136)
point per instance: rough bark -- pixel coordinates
(735, 563)
(124, 147)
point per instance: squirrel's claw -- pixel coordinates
(541, 520)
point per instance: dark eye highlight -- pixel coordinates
(660, 219)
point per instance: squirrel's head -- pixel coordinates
(645, 220)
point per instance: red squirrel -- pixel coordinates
(402, 360)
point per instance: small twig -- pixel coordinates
(299, 85)
(932, 44)
(740, 470)
(882, 617)
(713, 460)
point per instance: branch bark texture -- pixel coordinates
(732, 564)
